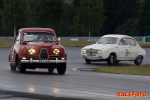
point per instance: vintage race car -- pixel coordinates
(113, 49)
(37, 48)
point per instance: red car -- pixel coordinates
(37, 48)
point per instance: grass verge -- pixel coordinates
(131, 70)
(6, 43)
(65, 43)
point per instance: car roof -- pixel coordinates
(36, 30)
(116, 35)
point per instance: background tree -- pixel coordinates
(117, 12)
(12, 14)
(144, 19)
(2, 32)
(47, 12)
(89, 16)
(128, 28)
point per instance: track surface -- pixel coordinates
(39, 85)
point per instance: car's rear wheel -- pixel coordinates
(21, 67)
(138, 60)
(111, 60)
(87, 61)
(62, 69)
(50, 70)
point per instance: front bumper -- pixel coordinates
(43, 61)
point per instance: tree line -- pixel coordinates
(77, 17)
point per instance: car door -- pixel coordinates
(132, 48)
(123, 49)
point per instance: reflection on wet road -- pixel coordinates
(36, 84)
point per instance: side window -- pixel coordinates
(132, 42)
(123, 41)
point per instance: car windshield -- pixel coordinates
(108, 40)
(38, 36)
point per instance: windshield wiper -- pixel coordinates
(34, 37)
(47, 38)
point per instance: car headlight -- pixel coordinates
(83, 51)
(31, 51)
(56, 51)
(99, 51)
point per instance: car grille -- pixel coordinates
(44, 53)
(91, 51)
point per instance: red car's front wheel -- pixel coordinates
(62, 69)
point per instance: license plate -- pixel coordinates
(45, 61)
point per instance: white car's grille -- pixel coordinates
(91, 51)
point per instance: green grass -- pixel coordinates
(75, 43)
(6, 43)
(131, 70)
(65, 43)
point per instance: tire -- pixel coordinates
(116, 62)
(87, 61)
(50, 70)
(111, 60)
(138, 60)
(61, 69)
(12, 68)
(21, 67)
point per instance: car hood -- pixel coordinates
(98, 46)
(38, 45)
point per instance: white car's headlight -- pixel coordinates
(83, 51)
(99, 51)
(56, 51)
(31, 51)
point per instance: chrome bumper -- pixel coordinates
(43, 61)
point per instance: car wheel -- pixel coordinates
(87, 61)
(12, 68)
(50, 70)
(116, 62)
(21, 67)
(138, 60)
(111, 59)
(61, 69)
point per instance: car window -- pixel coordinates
(38, 36)
(108, 40)
(132, 42)
(123, 41)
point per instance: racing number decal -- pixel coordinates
(127, 52)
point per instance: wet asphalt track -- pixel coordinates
(74, 85)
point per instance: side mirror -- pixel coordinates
(59, 39)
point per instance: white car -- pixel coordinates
(114, 48)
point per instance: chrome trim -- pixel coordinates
(43, 61)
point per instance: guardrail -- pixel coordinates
(94, 39)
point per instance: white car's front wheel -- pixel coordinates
(112, 59)
(87, 61)
(138, 60)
